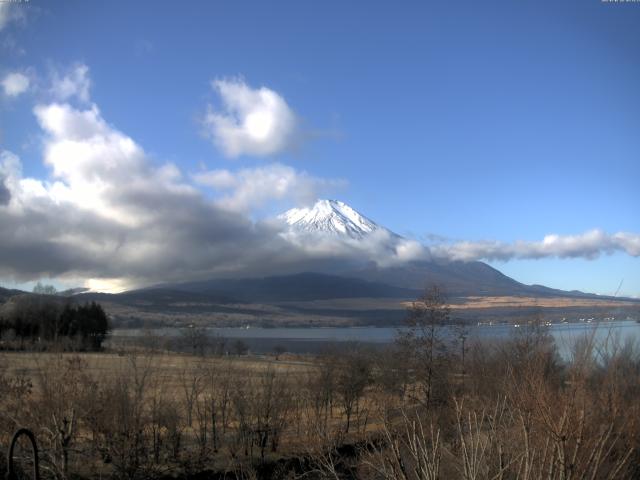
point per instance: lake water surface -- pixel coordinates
(263, 340)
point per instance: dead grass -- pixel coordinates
(171, 367)
(515, 301)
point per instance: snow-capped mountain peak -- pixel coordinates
(330, 217)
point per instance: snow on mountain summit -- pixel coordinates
(332, 227)
(330, 217)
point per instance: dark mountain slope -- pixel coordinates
(6, 294)
(297, 287)
(156, 297)
(459, 279)
(456, 278)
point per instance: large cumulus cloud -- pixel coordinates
(106, 211)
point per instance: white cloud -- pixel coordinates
(81, 146)
(9, 13)
(108, 214)
(380, 246)
(387, 249)
(218, 179)
(88, 157)
(589, 245)
(74, 83)
(252, 121)
(253, 187)
(628, 242)
(409, 250)
(4, 14)
(9, 164)
(15, 84)
(10, 170)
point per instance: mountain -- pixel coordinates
(340, 221)
(297, 287)
(331, 217)
(6, 294)
(73, 291)
(158, 297)
(458, 279)
(345, 293)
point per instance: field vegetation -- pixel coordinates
(425, 408)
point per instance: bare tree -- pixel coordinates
(191, 382)
(409, 451)
(423, 338)
(278, 350)
(461, 331)
(320, 391)
(42, 289)
(240, 347)
(353, 376)
(196, 339)
(270, 406)
(393, 374)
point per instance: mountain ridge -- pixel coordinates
(375, 293)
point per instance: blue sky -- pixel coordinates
(494, 121)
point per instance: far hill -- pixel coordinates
(157, 297)
(476, 291)
(294, 288)
(459, 279)
(6, 294)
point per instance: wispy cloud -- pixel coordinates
(10, 11)
(248, 188)
(4, 14)
(73, 83)
(381, 247)
(589, 245)
(15, 83)
(252, 121)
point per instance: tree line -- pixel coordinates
(45, 319)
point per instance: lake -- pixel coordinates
(309, 340)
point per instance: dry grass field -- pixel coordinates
(510, 409)
(542, 302)
(171, 366)
(479, 302)
(142, 413)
